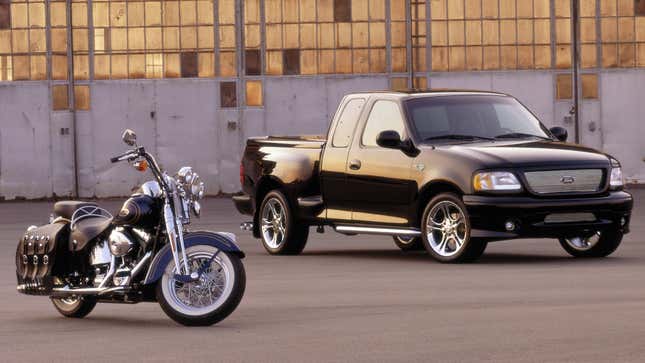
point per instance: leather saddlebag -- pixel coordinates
(36, 255)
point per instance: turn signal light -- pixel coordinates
(141, 165)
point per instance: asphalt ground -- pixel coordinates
(358, 299)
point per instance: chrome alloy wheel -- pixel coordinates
(206, 294)
(273, 224)
(583, 243)
(446, 228)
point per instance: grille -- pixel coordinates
(564, 181)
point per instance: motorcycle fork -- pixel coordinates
(171, 229)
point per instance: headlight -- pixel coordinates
(191, 183)
(616, 179)
(496, 181)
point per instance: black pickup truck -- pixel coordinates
(448, 171)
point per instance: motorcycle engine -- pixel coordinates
(120, 243)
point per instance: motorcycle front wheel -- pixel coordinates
(211, 298)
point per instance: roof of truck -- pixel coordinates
(432, 91)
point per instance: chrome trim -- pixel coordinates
(66, 291)
(152, 189)
(109, 273)
(411, 232)
(137, 268)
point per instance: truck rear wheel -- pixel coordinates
(280, 231)
(445, 230)
(408, 243)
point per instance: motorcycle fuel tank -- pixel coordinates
(139, 211)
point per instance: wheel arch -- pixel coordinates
(220, 240)
(432, 189)
(265, 185)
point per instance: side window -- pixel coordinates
(385, 115)
(346, 122)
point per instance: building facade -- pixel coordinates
(195, 78)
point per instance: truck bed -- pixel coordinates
(303, 142)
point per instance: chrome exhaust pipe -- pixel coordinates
(246, 226)
(67, 292)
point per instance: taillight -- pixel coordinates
(242, 173)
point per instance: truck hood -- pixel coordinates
(525, 153)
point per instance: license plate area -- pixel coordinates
(570, 218)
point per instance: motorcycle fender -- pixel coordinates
(220, 240)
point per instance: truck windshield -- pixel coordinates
(472, 118)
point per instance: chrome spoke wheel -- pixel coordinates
(446, 228)
(206, 294)
(583, 243)
(273, 223)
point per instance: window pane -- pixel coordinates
(254, 93)
(81, 67)
(291, 61)
(228, 97)
(82, 97)
(59, 67)
(346, 122)
(206, 65)
(59, 98)
(342, 10)
(172, 66)
(227, 64)
(136, 66)
(37, 15)
(5, 16)
(563, 87)
(252, 59)
(385, 115)
(38, 67)
(189, 64)
(590, 86)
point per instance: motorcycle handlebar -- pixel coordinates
(128, 155)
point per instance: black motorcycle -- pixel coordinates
(144, 253)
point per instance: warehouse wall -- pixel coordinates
(180, 121)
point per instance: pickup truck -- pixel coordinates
(442, 170)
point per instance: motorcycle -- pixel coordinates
(145, 253)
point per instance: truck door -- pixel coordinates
(379, 183)
(333, 177)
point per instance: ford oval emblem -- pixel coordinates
(567, 180)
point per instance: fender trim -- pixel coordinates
(220, 240)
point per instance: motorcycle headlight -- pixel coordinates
(496, 181)
(191, 183)
(616, 178)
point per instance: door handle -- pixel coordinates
(355, 164)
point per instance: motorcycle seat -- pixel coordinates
(67, 208)
(86, 230)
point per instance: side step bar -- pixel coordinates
(407, 232)
(67, 292)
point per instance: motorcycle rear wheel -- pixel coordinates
(74, 307)
(198, 303)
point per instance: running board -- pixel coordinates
(406, 232)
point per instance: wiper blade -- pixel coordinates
(458, 137)
(518, 135)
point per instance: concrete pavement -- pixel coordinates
(358, 299)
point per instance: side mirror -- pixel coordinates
(560, 133)
(389, 139)
(129, 137)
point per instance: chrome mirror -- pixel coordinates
(129, 137)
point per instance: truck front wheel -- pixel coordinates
(280, 231)
(445, 230)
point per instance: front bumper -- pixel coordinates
(489, 214)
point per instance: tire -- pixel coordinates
(186, 313)
(292, 235)
(449, 241)
(408, 243)
(600, 244)
(77, 307)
